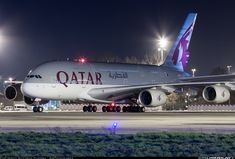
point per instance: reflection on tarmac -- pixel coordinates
(215, 122)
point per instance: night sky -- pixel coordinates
(35, 31)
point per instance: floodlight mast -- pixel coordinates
(162, 43)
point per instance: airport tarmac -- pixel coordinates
(212, 122)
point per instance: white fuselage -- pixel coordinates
(73, 81)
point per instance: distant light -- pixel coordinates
(115, 125)
(162, 42)
(193, 71)
(10, 79)
(229, 68)
(82, 60)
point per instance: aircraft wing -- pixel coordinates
(121, 92)
(226, 77)
(13, 82)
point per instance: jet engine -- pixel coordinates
(152, 97)
(215, 93)
(13, 92)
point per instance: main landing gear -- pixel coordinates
(111, 108)
(89, 108)
(37, 109)
(133, 109)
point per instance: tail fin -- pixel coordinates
(179, 54)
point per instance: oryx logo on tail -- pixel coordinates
(179, 54)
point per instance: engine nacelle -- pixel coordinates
(13, 92)
(152, 97)
(217, 94)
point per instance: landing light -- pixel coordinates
(112, 104)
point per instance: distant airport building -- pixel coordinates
(5, 102)
(208, 107)
(52, 105)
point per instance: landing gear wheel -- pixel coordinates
(128, 109)
(138, 109)
(35, 109)
(109, 109)
(142, 109)
(85, 109)
(114, 109)
(39, 109)
(104, 108)
(94, 108)
(89, 108)
(118, 108)
(133, 109)
(124, 109)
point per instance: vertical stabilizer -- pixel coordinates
(179, 54)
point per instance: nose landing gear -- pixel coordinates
(37, 109)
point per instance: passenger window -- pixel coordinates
(31, 76)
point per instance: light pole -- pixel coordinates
(229, 69)
(162, 43)
(193, 71)
(160, 60)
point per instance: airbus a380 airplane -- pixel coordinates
(107, 82)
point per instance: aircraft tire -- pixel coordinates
(35, 109)
(138, 109)
(108, 109)
(89, 108)
(124, 109)
(40, 109)
(142, 109)
(118, 108)
(134, 109)
(128, 109)
(85, 108)
(104, 109)
(94, 108)
(114, 109)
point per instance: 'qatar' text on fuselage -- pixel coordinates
(79, 78)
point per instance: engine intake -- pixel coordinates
(152, 97)
(217, 94)
(13, 92)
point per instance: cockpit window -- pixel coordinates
(32, 76)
